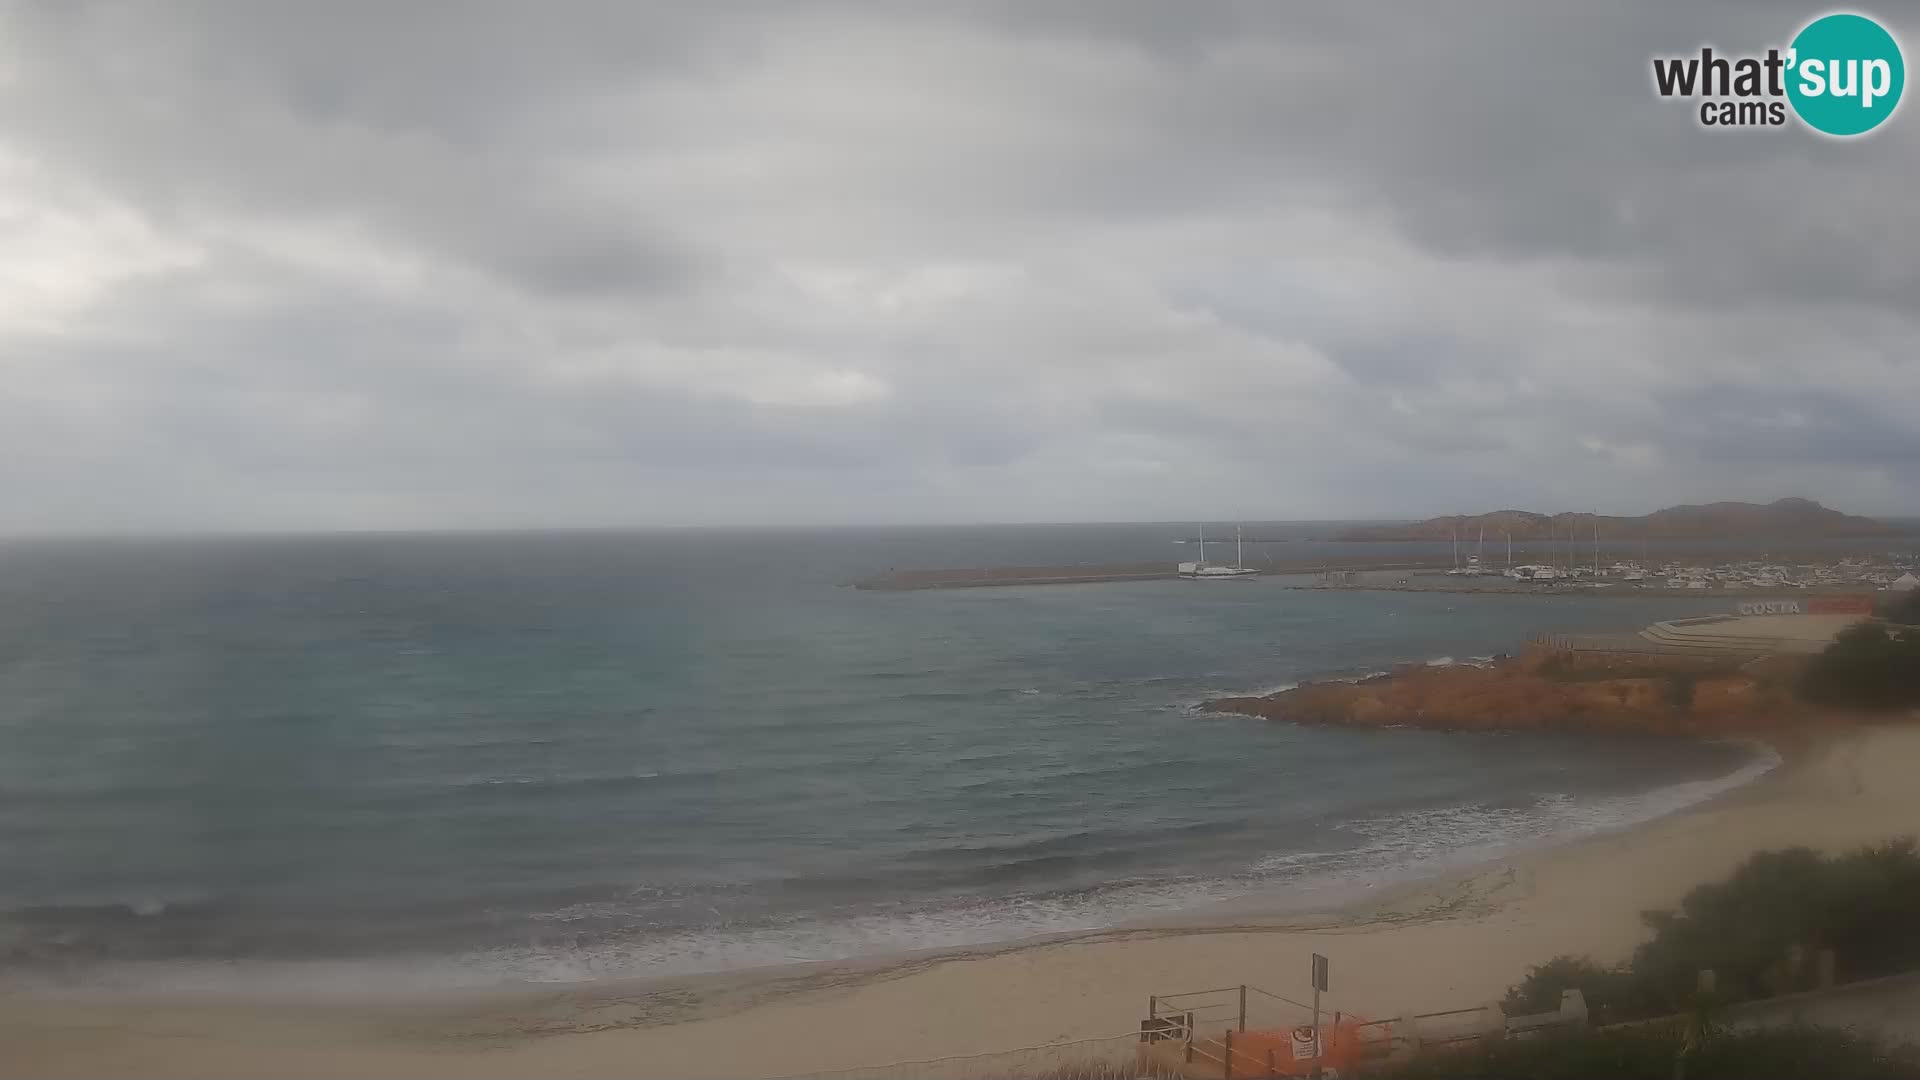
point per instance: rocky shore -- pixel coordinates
(1545, 690)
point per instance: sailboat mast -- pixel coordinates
(1203, 543)
(1237, 563)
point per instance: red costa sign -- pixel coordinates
(1839, 605)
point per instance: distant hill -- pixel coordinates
(1785, 518)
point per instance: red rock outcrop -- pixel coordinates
(1541, 693)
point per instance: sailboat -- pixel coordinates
(1638, 572)
(1457, 570)
(1548, 572)
(1597, 583)
(1200, 569)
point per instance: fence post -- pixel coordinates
(1271, 1071)
(1226, 1064)
(1243, 1006)
(1153, 1006)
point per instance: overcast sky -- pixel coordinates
(404, 265)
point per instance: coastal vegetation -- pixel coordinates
(1758, 931)
(1869, 666)
(1901, 607)
(1655, 1053)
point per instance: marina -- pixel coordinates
(1089, 573)
(1685, 575)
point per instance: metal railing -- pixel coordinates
(1237, 1007)
(1181, 1023)
(1230, 1012)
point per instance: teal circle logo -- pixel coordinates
(1845, 74)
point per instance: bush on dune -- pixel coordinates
(1901, 607)
(1650, 1053)
(1869, 666)
(1611, 993)
(1861, 905)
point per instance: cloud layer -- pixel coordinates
(286, 266)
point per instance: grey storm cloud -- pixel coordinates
(286, 266)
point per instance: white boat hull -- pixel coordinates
(1210, 573)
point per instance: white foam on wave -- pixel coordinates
(1393, 848)
(1195, 705)
(555, 959)
(1277, 688)
(1390, 849)
(1421, 843)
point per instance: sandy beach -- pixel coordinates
(1444, 943)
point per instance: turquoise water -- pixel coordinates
(466, 760)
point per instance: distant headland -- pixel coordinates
(1784, 518)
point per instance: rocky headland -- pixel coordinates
(1552, 691)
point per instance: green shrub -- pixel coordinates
(1650, 1053)
(1861, 905)
(1867, 666)
(1611, 993)
(1900, 607)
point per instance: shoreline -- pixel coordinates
(1452, 939)
(1317, 893)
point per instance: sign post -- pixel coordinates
(1319, 986)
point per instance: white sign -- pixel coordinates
(1771, 607)
(1303, 1040)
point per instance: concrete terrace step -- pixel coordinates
(1804, 634)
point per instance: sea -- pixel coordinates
(479, 760)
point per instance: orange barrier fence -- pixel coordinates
(1343, 1046)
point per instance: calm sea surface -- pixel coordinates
(466, 760)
